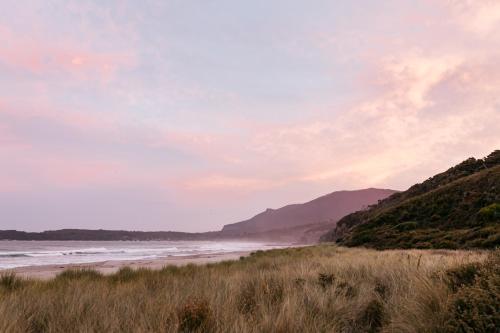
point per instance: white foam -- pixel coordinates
(36, 253)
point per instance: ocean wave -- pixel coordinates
(42, 253)
(13, 255)
(87, 251)
(54, 253)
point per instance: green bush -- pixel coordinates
(407, 226)
(490, 213)
(475, 307)
(445, 244)
(492, 241)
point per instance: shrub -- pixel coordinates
(406, 226)
(464, 275)
(492, 241)
(362, 237)
(445, 244)
(490, 213)
(423, 245)
(195, 315)
(476, 305)
(476, 309)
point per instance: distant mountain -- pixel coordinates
(299, 223)
(326, 210)
(459, 208)
(104, 235)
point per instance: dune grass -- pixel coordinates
(312, 289)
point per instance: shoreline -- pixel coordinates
(46, 272)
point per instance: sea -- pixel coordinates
(37, 253)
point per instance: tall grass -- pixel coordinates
(313, 289)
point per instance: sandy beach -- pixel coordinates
(108, 267)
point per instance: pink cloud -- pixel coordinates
(76, 118)
(8, 140)
(43, 57)
(429, 109)
(75, 172)
(216, 183)
(481, 16)
(421, 106)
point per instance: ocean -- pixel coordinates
(36, 253)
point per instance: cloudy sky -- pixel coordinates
(186, 115)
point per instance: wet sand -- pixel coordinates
(109, 267)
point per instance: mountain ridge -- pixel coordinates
(327, 208)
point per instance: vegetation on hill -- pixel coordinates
(313, 289)
(459, 208)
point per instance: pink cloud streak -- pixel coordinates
(43, 57)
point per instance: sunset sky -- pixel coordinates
(187, 115)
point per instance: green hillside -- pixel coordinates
(459, 208)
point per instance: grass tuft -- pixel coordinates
(246, 300)
(372, 317)
(124, 275)
(10, 282)
(325, 280)
(79, 274)
(195, 315)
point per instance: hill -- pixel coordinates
(459, 208)
(104, 235)
(327, 209)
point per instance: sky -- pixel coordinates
(188, 115)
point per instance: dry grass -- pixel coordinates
(314, 289)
